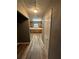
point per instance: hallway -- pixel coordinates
(39, 29)
(36, 48)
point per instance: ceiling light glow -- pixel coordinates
(35, 11)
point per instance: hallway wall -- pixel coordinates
(55, 34)
(22, 8)
(46, 29)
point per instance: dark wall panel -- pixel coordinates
(55, 35)
(22, 29)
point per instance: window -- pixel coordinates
(35, 25)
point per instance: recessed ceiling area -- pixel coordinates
(33, 7)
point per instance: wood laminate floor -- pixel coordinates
(35, 50)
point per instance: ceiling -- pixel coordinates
(28, 6)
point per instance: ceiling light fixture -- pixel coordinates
(35, 11)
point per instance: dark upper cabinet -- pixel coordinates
(23, 34)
